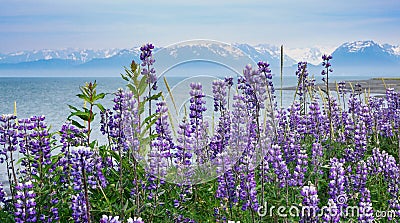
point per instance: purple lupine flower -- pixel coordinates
(360, 140)
(164, 140)
(303, 84)
(219, 92)
(335, 113)
(360, 177)
(237, 142)
(183, 219)
(25, 204)
(342, 87)
(247, 190)
(382, 162)
(376, 111)
(131, 123)
(226, 190)
(8, 137)
(222, 134)
(354, 106)
(85, 172)
(40, 147)
(337, 183)
(9, 144)
(310, 204)
(263, 68)
(115, 219)
(82, 160)
(247, 163)
(392, 113)
(25, 126)
(332, 213)
(366, 212)
(2, 194)
(199, 125)
(279, 165)
(291, 146)
(282, 125)
(316, 157)
(184, 152)
(229, 81)
(254, 83)
(109, 219)
(160, 151)
(135, 220)
(146, 56)
(79, 208)
(113, 122)
(357, 89)
(316, 121)
(325, 62)
(296, 122)
(71, 136)
(300, 169)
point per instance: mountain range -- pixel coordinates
(358, 57)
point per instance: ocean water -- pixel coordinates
(50, 96)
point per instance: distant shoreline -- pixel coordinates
(373, 85)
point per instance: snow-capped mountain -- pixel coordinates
(311, 55)
(366, 57)
(79, 56)
(365, 53)
(262, 52)
(357, 57)
(395, 50)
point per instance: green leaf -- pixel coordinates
(82, 115)
(73, 108)
(148, 126)
(133, 89)
(99, 96)
(149, 118)
(124, 77)
(154, 97)
(100, 106)
(93, 144)
(84, 97)
(142, 85)
(77, 124)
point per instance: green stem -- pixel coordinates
(85, 190)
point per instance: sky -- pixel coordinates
(100, 24)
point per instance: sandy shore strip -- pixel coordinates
(374, 85)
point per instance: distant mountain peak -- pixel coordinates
(350, 54)
(357, 46)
